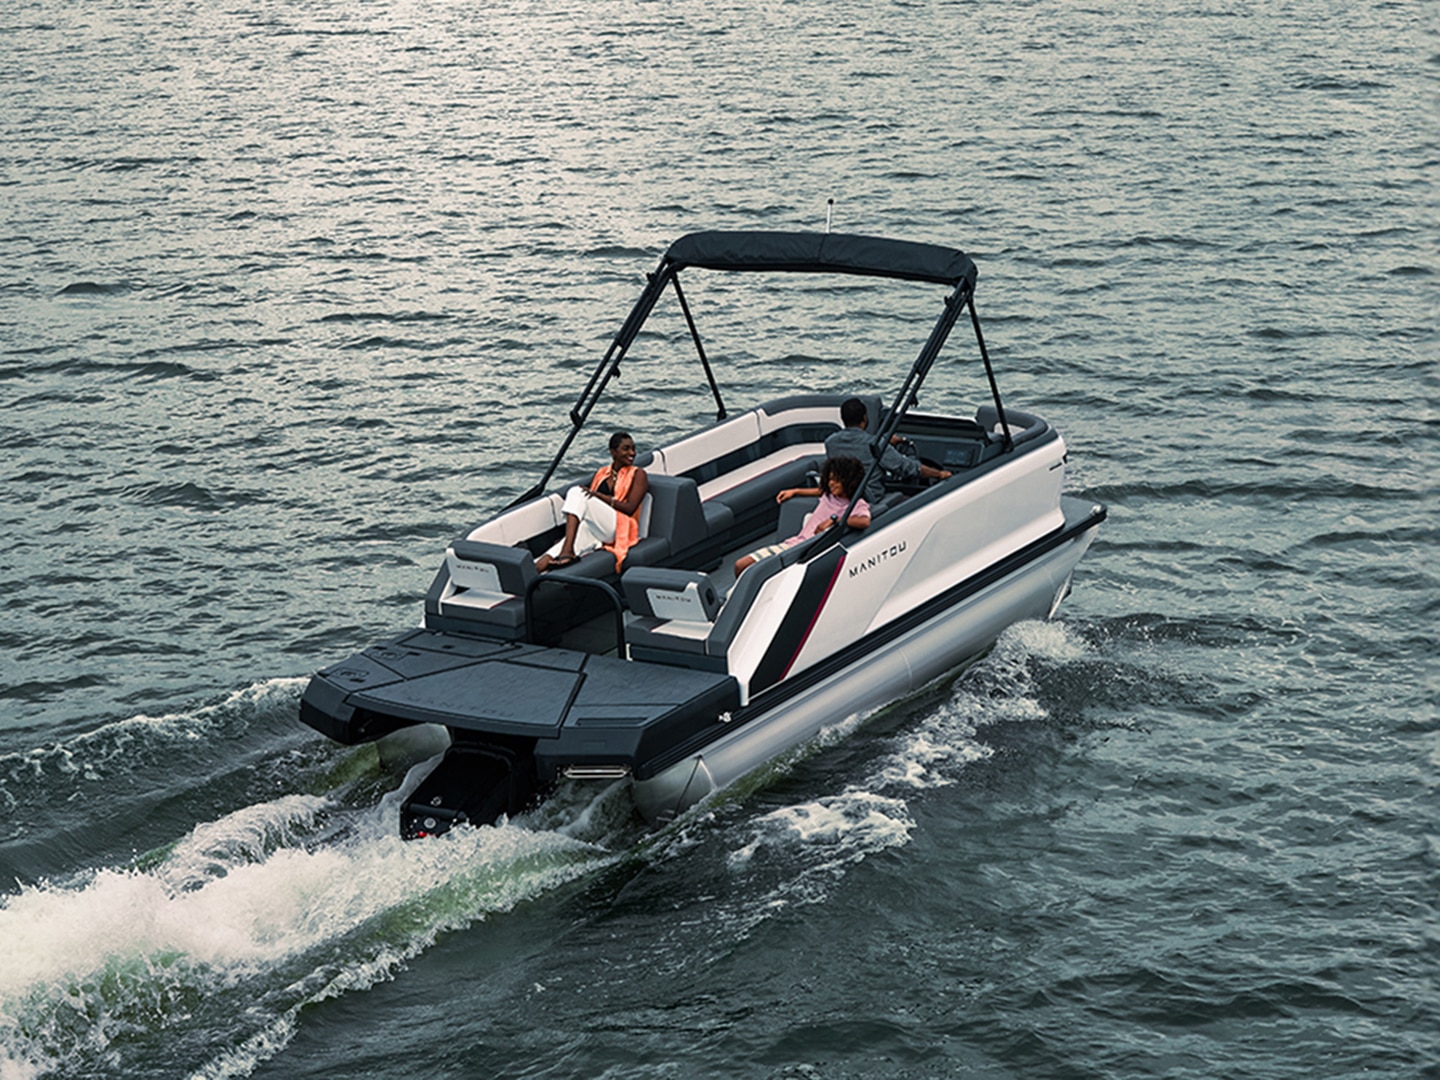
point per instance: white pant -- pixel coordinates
(597, 521)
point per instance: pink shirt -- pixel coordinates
(830, 506)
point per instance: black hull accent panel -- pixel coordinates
(795, 627)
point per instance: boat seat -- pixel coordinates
(792, 515)
(600, 564)
(782, 458)
(675, 512)
(483, 583)
(719, 518)
(891, 500)
(818, 412)
(793, 511)
(674, 611)
(658, 592)
(520, 523)
(489, 582)
(757, 492)
(671, 521)
(1023, 426)
(874, 410)
(692, 455)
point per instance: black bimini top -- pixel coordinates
(824, 253)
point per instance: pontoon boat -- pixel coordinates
(672, 674)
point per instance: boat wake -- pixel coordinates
(205, 951)
(222, 937)
(126, 752)
(806, 848)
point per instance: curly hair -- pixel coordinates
(847, 470)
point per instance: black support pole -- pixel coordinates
(607, 369)
(699, 348)
(989, 371)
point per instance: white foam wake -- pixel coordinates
(242, 911)
(123, 745)
(820, 839)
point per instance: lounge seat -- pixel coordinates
(481, 586)
(674, 611)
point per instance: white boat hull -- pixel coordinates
(895, 669)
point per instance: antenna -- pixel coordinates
(829, 211)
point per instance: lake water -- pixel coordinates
(294, 292)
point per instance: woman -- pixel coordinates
(839, 480)
(604, 514)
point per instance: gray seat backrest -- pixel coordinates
(675, 511)
(872, 412)
(1023, 426)
(481, 588)
(873, 409)
(792, 514)
(491, 567)
(686, 595)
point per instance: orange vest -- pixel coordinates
(627, 526)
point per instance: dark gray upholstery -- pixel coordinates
(748, 498)
(515, 567)
(654, 595)
(1023, 426)
(793, 511)
(675, 511)
(873, 409)
(601, 563)
(792, 515)
(718, 518)
(643, 582)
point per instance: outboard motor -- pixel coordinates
(475, 783)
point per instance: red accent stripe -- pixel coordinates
(813, 618)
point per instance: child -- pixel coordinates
(839, 480)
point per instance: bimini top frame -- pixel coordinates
(794, 252)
